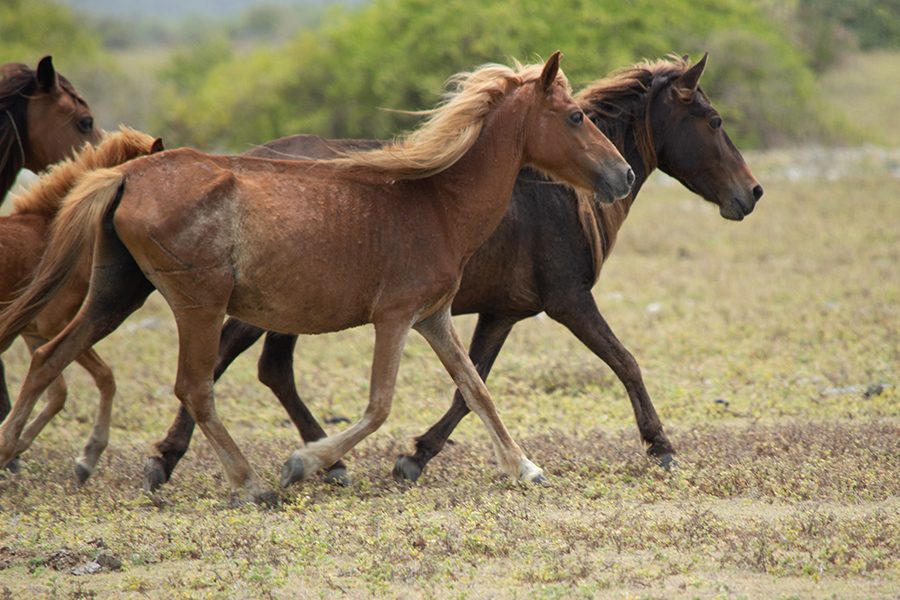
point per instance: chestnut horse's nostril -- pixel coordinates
(629, 177)
(757, 192)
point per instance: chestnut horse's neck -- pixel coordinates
(476, 190)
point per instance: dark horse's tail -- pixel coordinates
(74, 231)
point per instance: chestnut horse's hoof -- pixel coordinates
(14, 466)
(337, 476)
(292, 470)
(540, 480)
(406, 469)
(154, 474)
(82, 473)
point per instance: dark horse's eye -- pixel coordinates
(576, 118)
(86, 124)
(715, 122)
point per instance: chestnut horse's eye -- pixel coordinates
(576, 118)
(715, 122)
(86, 124)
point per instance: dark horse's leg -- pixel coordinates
(579, 313)
(487, 340)
(5, 406)
(275, 371)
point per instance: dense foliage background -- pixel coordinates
(251, 72)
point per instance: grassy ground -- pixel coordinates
(866, 88)
(757, 340)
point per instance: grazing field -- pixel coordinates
(772, 351)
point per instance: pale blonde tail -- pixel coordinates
(72, 234)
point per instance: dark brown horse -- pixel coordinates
(42, 120)
(657, 116)
(376, 237)
(23, 238)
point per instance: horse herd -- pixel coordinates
(505, 203)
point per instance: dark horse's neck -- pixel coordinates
(628, 132)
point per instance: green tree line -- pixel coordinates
(335, 75)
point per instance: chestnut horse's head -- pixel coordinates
(42, 118)
(692, 146)
(562, 141)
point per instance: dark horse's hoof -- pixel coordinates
(667, 461)
(14, 466)
(292, 470)
(406, 469)
(337, 476)
(82, 473)
(154, 474)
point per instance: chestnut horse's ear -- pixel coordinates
(687, 83)
(46, 75)
(551, 69)
(157, 146)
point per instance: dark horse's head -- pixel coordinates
(692, 146)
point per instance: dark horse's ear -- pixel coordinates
(46, 75)
(551, 69)
(687, 83)
(157, 146)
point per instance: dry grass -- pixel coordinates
(757, 341)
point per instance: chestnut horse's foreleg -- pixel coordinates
(579, 313)
(199, 327)
(390, 337)
(490, 334)
(439, 331)
(106, 385)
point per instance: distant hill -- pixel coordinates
(177, 10)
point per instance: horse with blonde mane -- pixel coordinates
(376, 237)
(23, 239)
(42, 120)
(545, 255)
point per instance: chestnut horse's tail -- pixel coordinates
(71, 236)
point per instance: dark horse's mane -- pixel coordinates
(618, 104)
(623, 99)
(17, 83)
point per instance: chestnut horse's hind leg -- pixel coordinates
(56, 400)
(275, 371)
(236, 337)
(390, 337)
(581, 316)
(199, 327)
(13, 465)
(487, 340)
(439, 332)
(106, 385)
(117, 290)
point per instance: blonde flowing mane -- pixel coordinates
(451, 128)
(46, 195)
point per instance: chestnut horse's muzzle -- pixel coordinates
(609, 188)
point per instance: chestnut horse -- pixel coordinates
(23, 238)
(375, 237)
(657, 116)
(42, 120)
